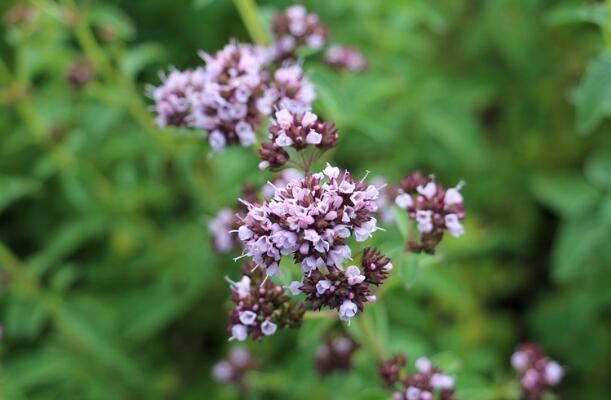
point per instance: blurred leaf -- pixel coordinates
(565, 194)
(598, 170)
(594, 94)
(15, 188)
(576, 13)
(139, 57)
(582, 247)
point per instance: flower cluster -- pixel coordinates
(296, 130)
(428, 383)
(281, 180)
(290, 88)
(346, 291)
(434, 208)
(229, 107)
(310, 219)
(343, 57)
(233, 369)
(335, 355)
(537, 371)
(260, 306)
(294, 28)
(175, 98)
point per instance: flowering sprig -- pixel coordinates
(295, 28)
(428, 383)
(260, 307)
(344, 57)
(233, 369)
(346, 291)
(434, 208)
(537, 371)
(310, 219)
(297, 131)
(335, 354)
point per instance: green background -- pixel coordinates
(110, 290)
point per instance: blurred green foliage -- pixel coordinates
(110, 289)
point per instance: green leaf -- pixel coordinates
(582, 247)
(598, 170)
(139, 57)
(565, 194)
(594, 94)
(15, 188)
(578, 13)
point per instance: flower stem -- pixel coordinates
(606, 29)
(370, 338)
(252, 21)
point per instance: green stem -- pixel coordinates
(371, 339)
(320, 314)
(606, 30)
(254, 25)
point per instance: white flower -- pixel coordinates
(242, 287)
(424, 218)
(323, 285)
(217, 141)
(248, 317)
(454, 226)
(347, 310)
(313, 137)
(519, 360)
(268, 328)
(354, 275)
(222, 371)
(404, 200)
(423, 365)
(427, 190)
(239, 333)
(308, 119)
(283, 140)
(412, 393)
(331, 172)
(244, 233)
(452, 196)
(346, 187)
(553, 372)
(441, 381)
(295, 287)
(284, 118)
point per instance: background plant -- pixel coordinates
(110, 289)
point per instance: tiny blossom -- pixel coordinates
(260, 307)
(282, 179)
(386, 200)
(233, 369)
(299, 130)
(290, 88)
(347, 291)
(343, 57)
(227, 107)
(226, 223)
(310, 219)
(537, 371)
(80, 74)
(174, 98)
(434, 208)
(295, 28)
(335, 355)
(427, 384)
(220, 227)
